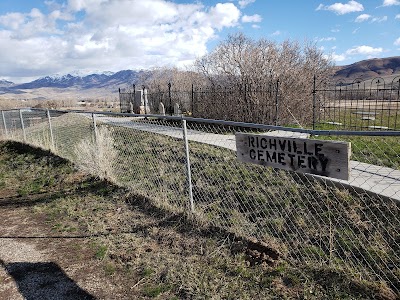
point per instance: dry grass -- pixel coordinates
(98, 156)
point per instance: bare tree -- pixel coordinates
(256, 78)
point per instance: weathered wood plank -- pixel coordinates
(320, 157)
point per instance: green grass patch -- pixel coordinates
(351, 119)
(109, 268)
(154, 291)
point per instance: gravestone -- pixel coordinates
(144, 104)
(378, 127)
(367, 118)
(365, 113)
(334, 123)
(177, 111)
(161, 109)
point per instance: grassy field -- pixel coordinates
(361, 115)
(138, 251)
(305, 222)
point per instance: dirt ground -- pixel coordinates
(66, 235)
(38, 263)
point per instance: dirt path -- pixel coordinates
(36, 267)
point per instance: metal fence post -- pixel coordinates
(170, 100)
(4, 123)
(189, 172)
(51, 131)
(133, 99)
(314, 104)
(120, 100)
(277, 103)
(22, 125)
(192, 104)
(94, 127)
(144, 93)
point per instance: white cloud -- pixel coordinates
(366, 17)
(251, 19)
(34, 23)
(327, 39)
(397, 17)
(244, 3)
(362, 18)
(276, 33)
(364, 50)
(341, 9)
(379, 20)
(391, 2)
(109, 35)
(338, 57)
(397, 42)
(255, 26)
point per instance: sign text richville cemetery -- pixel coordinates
(325, 158)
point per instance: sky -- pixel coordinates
(46, 37)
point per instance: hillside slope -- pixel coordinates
(368, 69)
(104, 242)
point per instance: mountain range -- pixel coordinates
(101, 80)
(6, 83)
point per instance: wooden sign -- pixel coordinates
(325, 158)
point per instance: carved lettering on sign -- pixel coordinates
(325, 158)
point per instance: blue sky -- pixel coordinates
(44, 37)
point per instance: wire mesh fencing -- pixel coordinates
(190, 165)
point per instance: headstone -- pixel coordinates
(144, 104)
(161, 109)
(368, 118)
(368, 113)
(177, 111)
(378, 127)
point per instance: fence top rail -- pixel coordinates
(235, 124)
(350, 88)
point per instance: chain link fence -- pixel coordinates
(190, 165)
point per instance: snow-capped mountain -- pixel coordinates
(6, 83)
(77, 80)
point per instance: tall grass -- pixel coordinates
(97, 156)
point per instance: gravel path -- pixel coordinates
(30, 266)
